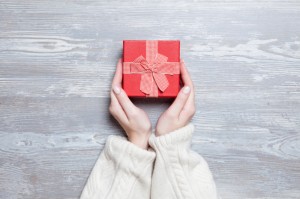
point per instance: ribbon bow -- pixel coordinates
(153, 73)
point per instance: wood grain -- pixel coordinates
(57, 59)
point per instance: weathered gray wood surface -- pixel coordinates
(57, 59)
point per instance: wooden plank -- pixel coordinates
(54, 140)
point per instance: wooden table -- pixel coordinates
(57, 59)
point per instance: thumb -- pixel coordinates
(180, 101)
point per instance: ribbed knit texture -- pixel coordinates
(179, 172)
(168, 170)
(122, 170)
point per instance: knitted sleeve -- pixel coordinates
(180, 172)
(123, 170)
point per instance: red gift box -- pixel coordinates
(151, 68)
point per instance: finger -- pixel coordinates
(179, 102)
(185, 76)
(128, 107)
(116, 110)
(117, 81)
(120, 94)
(187, 112)
(189, 108)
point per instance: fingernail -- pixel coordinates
(116, 90)
(186, 89)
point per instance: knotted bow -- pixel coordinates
(153, 73)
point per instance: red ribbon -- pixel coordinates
(152, 70)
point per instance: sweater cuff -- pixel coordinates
(126, 154)
(179, 136)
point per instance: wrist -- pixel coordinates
(160, 132)
(140, 140)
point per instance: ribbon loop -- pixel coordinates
(152, 73)
(161, 81)
(146, 86)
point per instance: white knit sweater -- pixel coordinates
(168, 170)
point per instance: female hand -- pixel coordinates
(182, 109)
(133, 120)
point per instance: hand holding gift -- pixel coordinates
(182, 110)
(133, 120)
